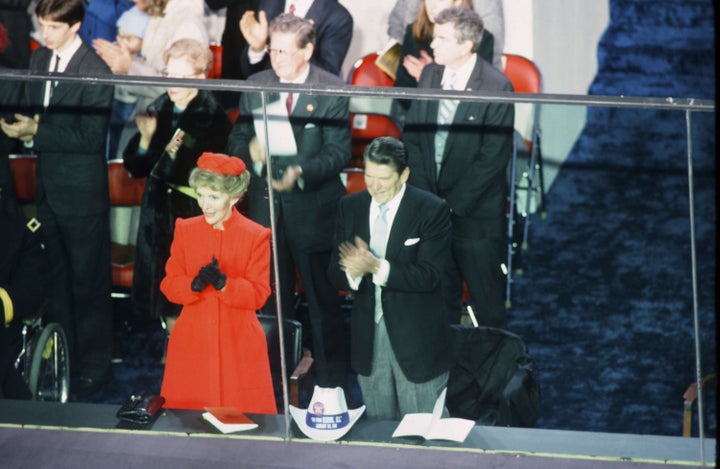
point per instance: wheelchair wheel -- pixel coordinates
(49, 378)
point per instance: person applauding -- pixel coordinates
(219, 271)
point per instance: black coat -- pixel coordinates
(206, 127)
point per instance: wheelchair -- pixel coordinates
(43, 360)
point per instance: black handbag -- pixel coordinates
(140, 408)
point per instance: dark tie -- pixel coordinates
(378, 244)
(50, 85)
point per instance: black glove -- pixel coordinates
(211, 275)
(197, 284)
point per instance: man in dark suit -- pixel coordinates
(332, 22)
(306, 181)
(460, 151)
(392, 243)
(66, 127)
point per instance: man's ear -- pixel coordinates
(405, 175)
(76, 27)
(307, 51)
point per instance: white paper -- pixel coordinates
(433, 426)
(281, 136)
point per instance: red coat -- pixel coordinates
(217, 355)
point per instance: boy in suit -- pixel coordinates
(66, 127)
(392, 243)
(460, 151)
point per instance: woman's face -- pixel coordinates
(433, 7)
(180, 67)
(216, 206)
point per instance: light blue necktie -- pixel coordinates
(378, 244)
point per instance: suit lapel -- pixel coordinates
(464, 109)
(73, 68)
(35, 91)
(404, 219)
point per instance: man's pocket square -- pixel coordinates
(310, 125)
(411, 241)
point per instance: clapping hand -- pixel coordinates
(115, 55)
(356, 259)
(415, 65)
(254, 30)
(209, 274)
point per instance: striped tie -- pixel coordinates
(446, 112)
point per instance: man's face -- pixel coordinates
(446, 48)
(384, 182)
(287, 60)
(57, 36)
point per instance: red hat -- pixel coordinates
(222, 164)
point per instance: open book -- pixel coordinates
(433, 426)
(228, 419)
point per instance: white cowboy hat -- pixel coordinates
(327, 417)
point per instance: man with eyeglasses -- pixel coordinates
(332, 22)
(306, 181)
(66, 125)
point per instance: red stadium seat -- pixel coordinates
(364, 128)
(22, 168)
(366, 73)
(216, 67)
(125, 191)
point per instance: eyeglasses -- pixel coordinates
(171, 75)
(281, 52)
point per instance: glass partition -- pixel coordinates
(603, 227)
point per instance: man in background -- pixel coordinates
(460, 151)
(331, 21)
(305, 180)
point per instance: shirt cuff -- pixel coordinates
(29, 143)
(255, 57)
(381, 277)
(354, 282)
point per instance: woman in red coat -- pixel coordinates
(219, 270)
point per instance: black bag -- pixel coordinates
(492, 380)
(140, 408)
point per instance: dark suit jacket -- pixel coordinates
(70, 141)
(333, 31)
(413, 307)
(321, 128)
(473, 178)
(412, 47)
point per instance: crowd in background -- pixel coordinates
(161, 132)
